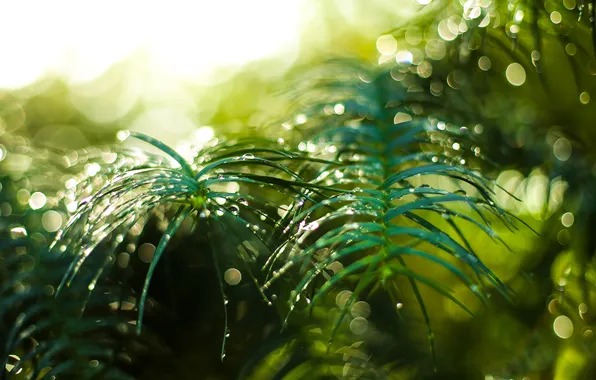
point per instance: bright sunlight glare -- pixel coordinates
(81, 39)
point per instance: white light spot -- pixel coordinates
(563, 327)
(122, 135)
(404, 56)
(301, 118)
(231, 187)
(515, 73)
(386, 44)
(18, 232)
(51, 221)
(445, 32)
(204, 134)
(567, 219)
(37, 200)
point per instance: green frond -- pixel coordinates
(399, 168)
(219, 186)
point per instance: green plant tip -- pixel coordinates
(198, 202)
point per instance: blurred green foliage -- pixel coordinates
(507, 88)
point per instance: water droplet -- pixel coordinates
(18, 232)
(234, 209)
(242, 201)
(301, 118)
(122, 135)
(248, 156)
(399, 305)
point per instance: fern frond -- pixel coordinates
(411, 177)
(237, 186)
